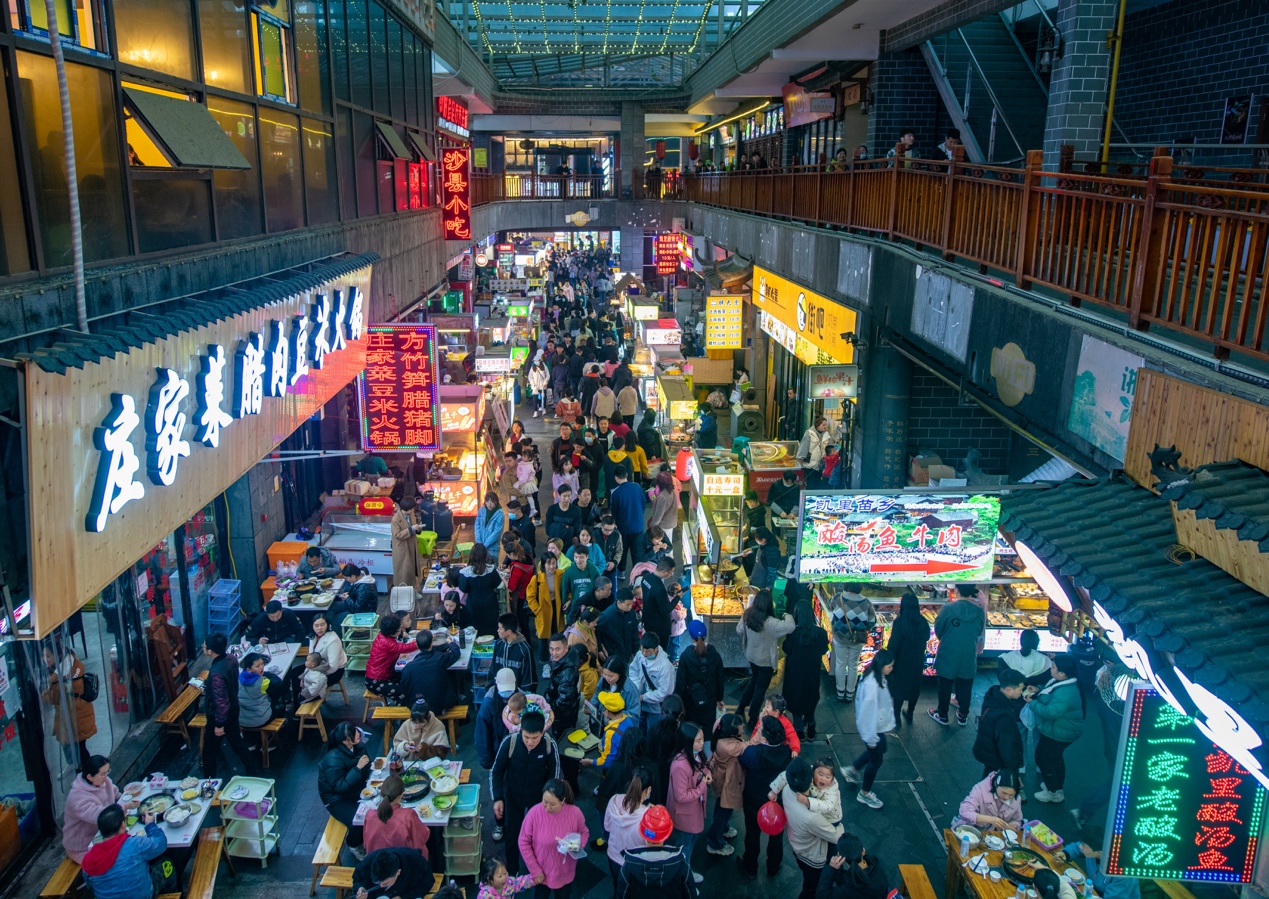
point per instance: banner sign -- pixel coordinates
(456, 193)
(834, 382)
(921, 537)
(816, 319)
(667, 247)
(400, 410)
(1182, 808)
(724, 322)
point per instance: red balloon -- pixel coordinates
(771, 819)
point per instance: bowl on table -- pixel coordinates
(445, 785)
(967, 830)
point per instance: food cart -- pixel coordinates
(676, 407)
(767, 461)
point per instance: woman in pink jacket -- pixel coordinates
(993, 803)
(91, 792)
(689, 785)
(541, 841)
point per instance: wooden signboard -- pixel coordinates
(132, 407)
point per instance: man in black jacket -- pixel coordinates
(618, 628)
(559, 689)
(221, 689)
(511, 650)
(562, 446)
(526, 760)
(999, 742)
(699, 681)
(427, 677)
(392, 874)
(562, 518)
(656, 600)
(519, 523)
(275, 625)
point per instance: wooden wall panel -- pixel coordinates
(1241, 558)
(1204, 424)
(69, 564)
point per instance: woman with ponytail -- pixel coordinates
(392, 827)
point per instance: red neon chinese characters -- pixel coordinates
(1224, 788)
(1214, 837)
(399, 406)
(1217, 812)
(456, 194)
(1221, 762)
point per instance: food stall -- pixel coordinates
(642, 309)
(455, 338)
(676, 406)
(661, 332)
(642, 367)
(493, 368)
(456, 473)
(766, 462)
(923, 543)
(711, 535)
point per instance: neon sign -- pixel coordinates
(456, 193)
(452, 116)
(1184, 809)
(668, 249)
(400, 410)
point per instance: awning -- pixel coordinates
(420, 144)
(392, 141)
(186, 130)
(728, 274)
(1118, 542)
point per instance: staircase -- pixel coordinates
(990, 89)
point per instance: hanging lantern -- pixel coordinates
(660, 148)
(693, 151)
(681, 462)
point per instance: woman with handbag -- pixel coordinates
(70, 691)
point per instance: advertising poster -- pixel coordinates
(1101, 404)
(1182, 807)
(922, 537)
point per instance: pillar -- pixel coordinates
(1077, 89)
(904, 98)
(630, 148)
(881, 446)
(632, 251)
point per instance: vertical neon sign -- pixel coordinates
(456, 193)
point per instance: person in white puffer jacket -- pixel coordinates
(874, 716)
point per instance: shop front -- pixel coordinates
(712, 535)
(132, 437)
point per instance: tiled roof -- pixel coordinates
(190, 313)
(1112, 538)
(1233, 495)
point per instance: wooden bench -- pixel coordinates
(341, 880)
(202, 880)
(916, 883)
(64, 881)
(1174, 889)
(268, 735)
(310, 716)
(339, 685)
(388, 714)
(173, 717)
(456, 715)
(370, 697)
(328, 850)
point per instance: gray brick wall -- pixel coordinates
(904, 97)
(1077, 91)
(939, 423)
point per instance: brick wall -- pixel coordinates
(1181, 60)
(1077, 90)
(938, 422)
(904, 97)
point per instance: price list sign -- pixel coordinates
(400, 410)
(1183, 809)
(724, 323)
(667, 254)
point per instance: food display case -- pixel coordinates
(361, 540)
(719, 589)
(766, 463)
(642, 309)
(456, 476)
(716, 473)
(675, 400)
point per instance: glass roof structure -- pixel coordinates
(595, 43)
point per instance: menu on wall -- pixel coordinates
(667, 247)
(1182, 808)
(724, 322)
(400, 410)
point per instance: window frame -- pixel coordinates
(102, 30)
(260, 17)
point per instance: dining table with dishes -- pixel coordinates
(308, 596)
(179, 807)
(439, 637)
(995, 864)
(278, 657)
(431, 788)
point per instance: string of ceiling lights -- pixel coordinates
(497, 43)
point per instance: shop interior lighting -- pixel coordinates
(1048, 581)
(732, 118)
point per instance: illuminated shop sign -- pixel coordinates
(456, 193)
(493, 365)
(400, 411)
(264, 367)
(1184, 809)
(665, 332)
(834, 382)
(724, 322)
(667, 248)
(452, 116)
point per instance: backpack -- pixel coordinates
(92, 687)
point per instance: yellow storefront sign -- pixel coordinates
(806, 316)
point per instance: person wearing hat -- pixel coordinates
(616, 723)
(655, 868)
(490, 727)
(699, 681)
(851, 873)
(526, 760)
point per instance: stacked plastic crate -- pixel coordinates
(224, 604)
(462, 833)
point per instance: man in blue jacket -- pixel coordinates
(626, 504)
(119, 866)
(489, 727)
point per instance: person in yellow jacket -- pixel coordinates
(581, 633)
(616, 724)
(637, 459)
(543, 598)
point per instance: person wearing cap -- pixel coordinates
(699, 681)
(656, 866)
(525, 761)
(490, 727)
(275, 625)
(616, 723)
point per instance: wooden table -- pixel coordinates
(981, 887)
(184, 835)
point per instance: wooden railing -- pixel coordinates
(530, 186)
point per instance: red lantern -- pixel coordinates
(680, 464)
(660, 148)
(771, 819)
(693, 151)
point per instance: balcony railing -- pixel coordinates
(530, 186)
(1191, 254)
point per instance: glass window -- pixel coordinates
(273, 77)
(396, 69)
(96, 159)
(280, 166)
(310, 56)
(359, 53)
(223, 27)
(171, 212)
(84, 27)
(237, 193)
(411, 83)
(339, 47)
(347, 158)
(425, 86)
(379, 57)
(319, 173)
(156, 34)
(15, 255)
(365, 140)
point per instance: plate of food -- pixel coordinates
(178, 815)
(188, 782)
(190, 793)
(435, 771)
(445, 785)
(994, 842)
(484, 640)
(379, 764)
(134, 789)
(415, 792)
(157, 804)
(1020, 865)
(1075, 876)
(442, 803)
(369, 793)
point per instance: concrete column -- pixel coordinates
(904, 98)
(632, 250)
(630, 148)
(1077, 91)
(881, 446)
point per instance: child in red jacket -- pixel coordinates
(775, 707)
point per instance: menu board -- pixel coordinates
(667, 247)
(922, 537)
(400, 411)
(1182, 808)
(724, 322)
